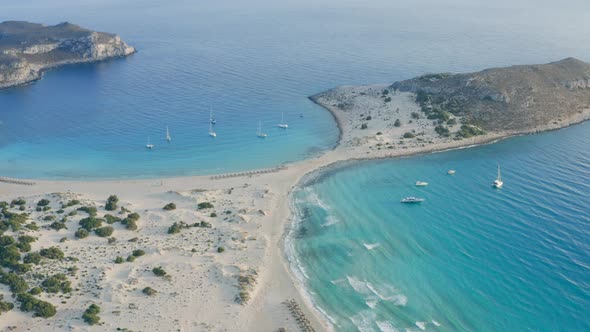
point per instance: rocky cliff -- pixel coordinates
(511, 98)
(26, 49)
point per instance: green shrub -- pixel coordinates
(415, 115)
(467, 131)
(220, 249)
(15, 282)
(32, 258)
(204, 205)
(169, 207)
(49, 218)
(111, 204)
(159, 271)
(26, 238)
(133, 216)
(6, 240)
(138, 252)
(409, 135)
(397, 123)
(21, 268)
(23, 246)
(442, 130)
(130, 224)
(387, 100)
(35, 291)
(81, 233)
(43, 202)
(90, 316)
(104, 231)
(213, 215)
(40, 308)
(9, 256)
(57, 225)
(19, 201)
(5, 306)
(56, 283)
(149, 291)
(119, 260)
(368, 118)
(90, 223)
(72, 203)
(175, 228)
(52, 253)
(32, 226)
(110, 219)
(364, 126)
(91, 210)
(130, 258)
(22, 208)
(452, 122)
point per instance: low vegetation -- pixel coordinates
(111, 204)
(169, 207)
(159, 271)
(90, 315)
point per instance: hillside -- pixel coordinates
(511, 98)
(26, 49)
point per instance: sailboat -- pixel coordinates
(283, 124)
(498, 183)
(211, 119)
(259, 133)
(168, 138)
(211, 132)
(149, 145)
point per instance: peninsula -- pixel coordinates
(206, 253)
(27, 49)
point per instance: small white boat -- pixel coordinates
(283, 124)
(259, 133)
(168, 138)
(412, 200)
(212, 133)
(148, 144)
(498, 183)
(451, 172)
(421, 184)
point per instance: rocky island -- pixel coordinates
(445, 110)
(27, 49)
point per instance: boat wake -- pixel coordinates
(371, 246)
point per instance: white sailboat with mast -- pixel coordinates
(498, 183)
(259, 133)
(283, 124)
(168, 138)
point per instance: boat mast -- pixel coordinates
(499, 176)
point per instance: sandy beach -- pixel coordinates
(248, 284)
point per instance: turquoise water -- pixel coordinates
(470, 258)
(250, 60)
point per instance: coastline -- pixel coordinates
(277, 281)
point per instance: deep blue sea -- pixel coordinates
(471, 257)
(250, 61)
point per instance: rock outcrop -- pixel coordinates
(27, 49)
(511, 98)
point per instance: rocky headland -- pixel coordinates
(27, 49)
(437, 111)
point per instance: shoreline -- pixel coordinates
(278, 280)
